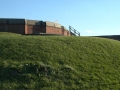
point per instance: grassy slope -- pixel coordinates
(71, 62)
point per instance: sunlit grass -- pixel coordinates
(58, 63)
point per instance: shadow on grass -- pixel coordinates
(23, 74)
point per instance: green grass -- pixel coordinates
(72, 63)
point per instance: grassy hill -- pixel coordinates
(58, 63)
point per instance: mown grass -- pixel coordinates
(58, 63)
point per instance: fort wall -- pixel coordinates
(24, 26)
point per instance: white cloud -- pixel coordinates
(90, 31)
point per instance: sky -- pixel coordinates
(89, 17)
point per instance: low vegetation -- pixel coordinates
(58, 63)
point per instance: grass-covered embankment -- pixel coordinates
(56, 62)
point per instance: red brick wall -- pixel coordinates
(26, 30)
(53, 30)
(29, 29)
(32, 29)
(69, 34)
(65, 32)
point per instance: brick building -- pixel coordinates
(24, 26)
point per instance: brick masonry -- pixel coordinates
(23, 26)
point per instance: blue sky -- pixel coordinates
(89, 17)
